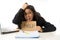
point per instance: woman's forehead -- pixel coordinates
(28, 10)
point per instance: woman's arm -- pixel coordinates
(48, 27)
(18, 16)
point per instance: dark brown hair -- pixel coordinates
(35, 14)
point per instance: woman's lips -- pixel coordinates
(29, 19)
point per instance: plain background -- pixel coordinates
(49, 10)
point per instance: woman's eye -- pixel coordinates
(29, 12)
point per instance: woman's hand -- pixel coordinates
(38, 28)
(24, 6)
(17, 29)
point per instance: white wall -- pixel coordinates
(49, 9)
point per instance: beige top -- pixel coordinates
(28, 26)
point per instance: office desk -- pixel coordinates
(43, 36)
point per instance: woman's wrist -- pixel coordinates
(23, 8)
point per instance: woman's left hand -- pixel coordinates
(38, 28)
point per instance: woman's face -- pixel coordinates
(28, 15)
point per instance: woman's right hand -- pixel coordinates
(24, 6)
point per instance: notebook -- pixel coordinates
(6, 30)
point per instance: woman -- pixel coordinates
(28, 13)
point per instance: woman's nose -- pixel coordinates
(27, 15)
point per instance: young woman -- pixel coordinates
(28, 13)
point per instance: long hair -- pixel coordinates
(35, 14)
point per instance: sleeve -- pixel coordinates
(18, 17)
(48, 27)
(41, 21)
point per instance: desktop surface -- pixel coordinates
(43, 36)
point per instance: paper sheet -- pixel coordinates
(29, 34)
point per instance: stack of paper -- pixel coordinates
(28, 34)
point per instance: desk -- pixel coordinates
(43, 36)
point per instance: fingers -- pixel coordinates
(38, 28)
(17, 29)
(26, 3)
(24, 6)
